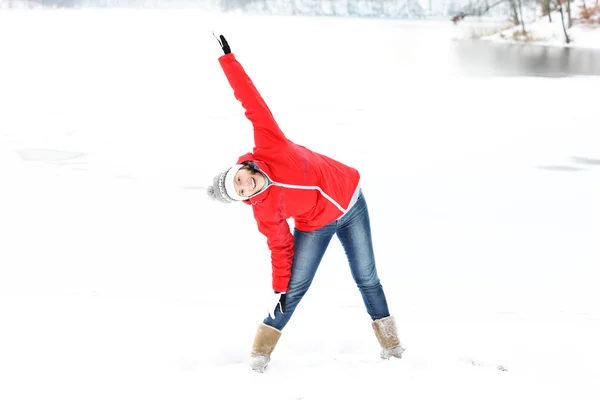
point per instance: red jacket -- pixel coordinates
(309, 187)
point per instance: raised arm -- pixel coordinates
(267, 133)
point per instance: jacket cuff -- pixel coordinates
(280, 289)
(227, 58)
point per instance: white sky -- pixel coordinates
(117, 275)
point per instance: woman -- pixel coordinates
(282, 180)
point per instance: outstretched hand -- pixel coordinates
(223, 43)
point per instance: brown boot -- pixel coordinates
(387, 335)
(264, 343)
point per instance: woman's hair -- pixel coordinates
(249, 165)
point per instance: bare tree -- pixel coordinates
(562, 19)
(515, 12)
(476, 8)
(547, 4)
(522, 19)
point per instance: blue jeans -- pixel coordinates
(354, 231)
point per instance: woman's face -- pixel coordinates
(247, 183)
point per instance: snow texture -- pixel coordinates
(120, 279)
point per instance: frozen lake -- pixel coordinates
(482, 185)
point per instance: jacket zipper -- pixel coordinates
(285, 185)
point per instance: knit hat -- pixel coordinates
(223, 189)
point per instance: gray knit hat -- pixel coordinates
(222, 188)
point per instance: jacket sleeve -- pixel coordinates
(267, 134)
(281, 243)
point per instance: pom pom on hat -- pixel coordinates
(210, 191)
(222, 188)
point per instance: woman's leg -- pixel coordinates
(309, 248)
(354, 232)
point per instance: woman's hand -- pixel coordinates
(223, 43)
(278, 299)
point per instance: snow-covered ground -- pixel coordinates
(117, 278)
(545, 33)
(540, 31)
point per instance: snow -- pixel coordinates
(547, 33)
(540, 31)
(119, 279)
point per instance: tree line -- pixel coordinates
(589, 12)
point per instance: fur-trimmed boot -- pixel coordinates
(264, 343)
(387, 335)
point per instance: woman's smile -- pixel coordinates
(248, 183)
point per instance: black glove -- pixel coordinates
(282, 302)
(278, 299)
(224, 45)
